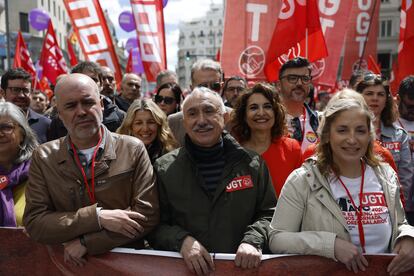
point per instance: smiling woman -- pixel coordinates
(147, 122)
(17, 142)
(259, 124)
(344, 202)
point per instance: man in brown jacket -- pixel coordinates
(92, 190)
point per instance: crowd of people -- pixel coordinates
(230, 167)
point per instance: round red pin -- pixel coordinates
(4, 180)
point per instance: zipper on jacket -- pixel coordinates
(73, 197)
(81, 192)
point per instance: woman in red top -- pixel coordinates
(259, 124)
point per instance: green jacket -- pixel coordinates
(220, 224)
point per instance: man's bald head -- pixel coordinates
(69, 84)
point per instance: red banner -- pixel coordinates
(89, 24)
(298, 32)
(244, 45)
(22, 56)
(361, 39)
(334, 15)
(405, 63)
(149, 20)
(21, 256)
(71, 53)
(51, 59)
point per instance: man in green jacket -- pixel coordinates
(215, 196)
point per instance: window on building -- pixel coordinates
(219, 22)
(43, 3)
(385, 1)
(385, 28)
(48, 5)
(24, 22)
(211, 23)
(59, 12)
(54, 8)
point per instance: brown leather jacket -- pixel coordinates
(57, 203)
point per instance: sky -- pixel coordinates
(175, 11)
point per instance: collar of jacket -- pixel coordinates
(387, 131)
(107, 144)
(232, 150)
(32, 117)
(313, 118)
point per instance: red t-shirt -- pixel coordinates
(282, 157)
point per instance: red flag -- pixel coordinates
(334, 17)
(128, 68)
(43, 85)
(361, 38)
(22, 56)
(405, 64)
(373, 65)
(89, 25)
(51, 58)
(72, 56)
(298, 33)
(218, 54)
(244, 45)
(149, 20)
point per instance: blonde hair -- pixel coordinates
(164, 134)
(342, 101)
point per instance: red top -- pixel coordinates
(282, 157)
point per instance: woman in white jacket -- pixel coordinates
(344, 202)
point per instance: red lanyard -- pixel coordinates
(91, 189)
(358, 211)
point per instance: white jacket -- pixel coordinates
(307, 218)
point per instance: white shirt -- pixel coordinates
(375, 217)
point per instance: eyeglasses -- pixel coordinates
(16, 90)
(235, 89)
(160, 99)
(216, 86)
(7, 128)
(293, 79)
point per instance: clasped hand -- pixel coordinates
(122, 221)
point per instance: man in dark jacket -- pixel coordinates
(215, 196)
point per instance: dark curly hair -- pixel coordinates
(240, 130)
(177, 91)
(389, 114)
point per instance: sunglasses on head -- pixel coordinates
(372, 76)
(216, 86)
(166, 99)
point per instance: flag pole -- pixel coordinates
(368, 33)
(306, 43)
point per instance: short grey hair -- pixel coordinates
(205, 64)
(163, 74)
(199, 91)
(29, 137)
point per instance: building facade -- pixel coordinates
(199, 38)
